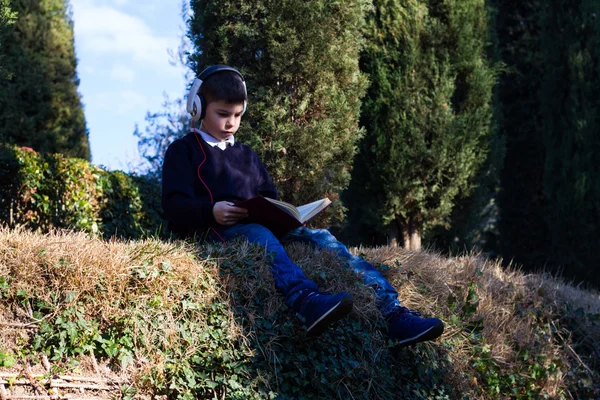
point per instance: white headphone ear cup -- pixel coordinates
(197, 106)
(193, 100)
(244, 110)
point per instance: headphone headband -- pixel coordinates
(196, 105)
(213, 69)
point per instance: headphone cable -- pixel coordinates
(199, 177)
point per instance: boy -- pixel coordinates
(206, 172)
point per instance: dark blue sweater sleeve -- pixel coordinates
(266, 188)
(181, 205)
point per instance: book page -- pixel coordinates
(287, 207)
(309, 210)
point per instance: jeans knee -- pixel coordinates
(256, 233)
(323, 236)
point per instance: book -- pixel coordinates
(281, 217)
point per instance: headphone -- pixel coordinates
(196, 104)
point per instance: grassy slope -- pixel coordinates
(204, 321)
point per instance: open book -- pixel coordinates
(280, 217)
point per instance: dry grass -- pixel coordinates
(112, 281)
(518, 311)
(70, 267)
(118, 280)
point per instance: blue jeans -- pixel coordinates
(290, 279)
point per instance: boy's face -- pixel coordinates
(222, 119)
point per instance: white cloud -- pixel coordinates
(121, 46)
(122, 73)
(104, 30)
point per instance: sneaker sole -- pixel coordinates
(430, 334)
(339, 311)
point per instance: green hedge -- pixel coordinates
(45, 191)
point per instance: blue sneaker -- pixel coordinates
(320, 310)
(407, 327)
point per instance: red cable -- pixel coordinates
(199, 177)
(203, 161)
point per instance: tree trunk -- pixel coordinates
(406, 236)
(411, 234)
(415, 234)
(393, 233)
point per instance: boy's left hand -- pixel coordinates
(227, 214)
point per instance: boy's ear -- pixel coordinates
(194, 102)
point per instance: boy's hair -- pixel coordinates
(226, 86)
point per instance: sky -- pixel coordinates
(123, 68)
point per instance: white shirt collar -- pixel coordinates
(214, 142)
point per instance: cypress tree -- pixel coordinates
(570, 114)
(7, 17)
(40, 105)
(523, 230)
(427, 114)
(551, 182)
(474, 224)
(300, 61)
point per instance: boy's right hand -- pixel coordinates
(226, 213)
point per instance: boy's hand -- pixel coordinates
(226, 213)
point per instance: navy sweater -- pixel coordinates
(196, 175)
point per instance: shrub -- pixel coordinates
(45, 191)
